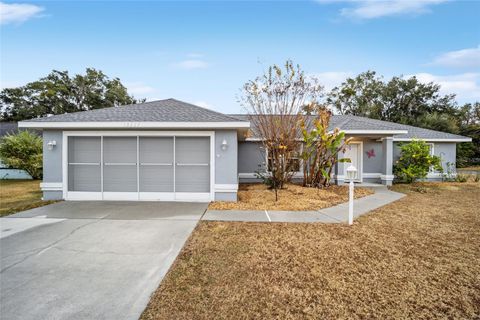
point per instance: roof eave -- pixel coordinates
(465, 139)
(388, 132)
(133, 125)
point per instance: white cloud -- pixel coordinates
(465, 85)
(194, 55)
(332, 79)
(465, 58)
(192, 64)
(18, 12)
(138, 88)
(371, 9)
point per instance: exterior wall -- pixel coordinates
(52, 165)
(447, 151)
(226, 174)
(250, 156)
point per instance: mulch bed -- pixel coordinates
(292, 197)
(417, 258)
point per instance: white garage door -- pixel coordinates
(160, 168)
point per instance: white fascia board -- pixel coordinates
(435, 140)
(375, 131)
(134, 125)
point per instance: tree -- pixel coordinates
(468, 153)
(59, 93)
(320, 150)
(360, 96)
(23, 151)
(415, 162)
(274, 103)
(399, 100)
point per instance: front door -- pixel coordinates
(354, 152)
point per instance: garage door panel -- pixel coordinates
(84, 178)
(84, 156)
(156, 150)
(120, 178)
(120, 150)
(156, 178)
(84, 149)
(192, 150)
(192, 179)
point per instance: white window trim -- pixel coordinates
(294, 172)
(180, 196)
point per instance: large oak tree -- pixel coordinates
(59, 93)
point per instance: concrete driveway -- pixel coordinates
(89, 260)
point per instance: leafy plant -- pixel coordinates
(320, 151)
(23, 151)
(461, 177)
(415, 162)
(450, 173)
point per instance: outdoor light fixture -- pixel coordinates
(351, 173)
(51, 144)
(224, 145)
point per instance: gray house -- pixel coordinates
(170, 150)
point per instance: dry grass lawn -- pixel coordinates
(19, 195)
(293, 197)
(417, 258)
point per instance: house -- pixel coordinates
(170, 150)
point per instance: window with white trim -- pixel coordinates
(295, 161)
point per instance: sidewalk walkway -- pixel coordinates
(336, 214)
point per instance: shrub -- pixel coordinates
(477, 177)
(320, 150)
(461, 177)
(415, 162)
(23, 151)
(450, 173)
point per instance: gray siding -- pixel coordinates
(447, 151)
(52, 159)
(226, 161)
(250, 156)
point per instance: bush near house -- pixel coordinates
(415, 162)
(23, 151)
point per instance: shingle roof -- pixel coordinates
(168, 110)
(349, 122)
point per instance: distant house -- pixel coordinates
(170, 150)
(5, 172)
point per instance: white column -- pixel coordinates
(387, 172)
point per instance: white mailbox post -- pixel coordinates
(351, 173)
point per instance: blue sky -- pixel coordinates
(203, 52)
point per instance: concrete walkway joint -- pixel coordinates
(335, 214)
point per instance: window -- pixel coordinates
(294, 162)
